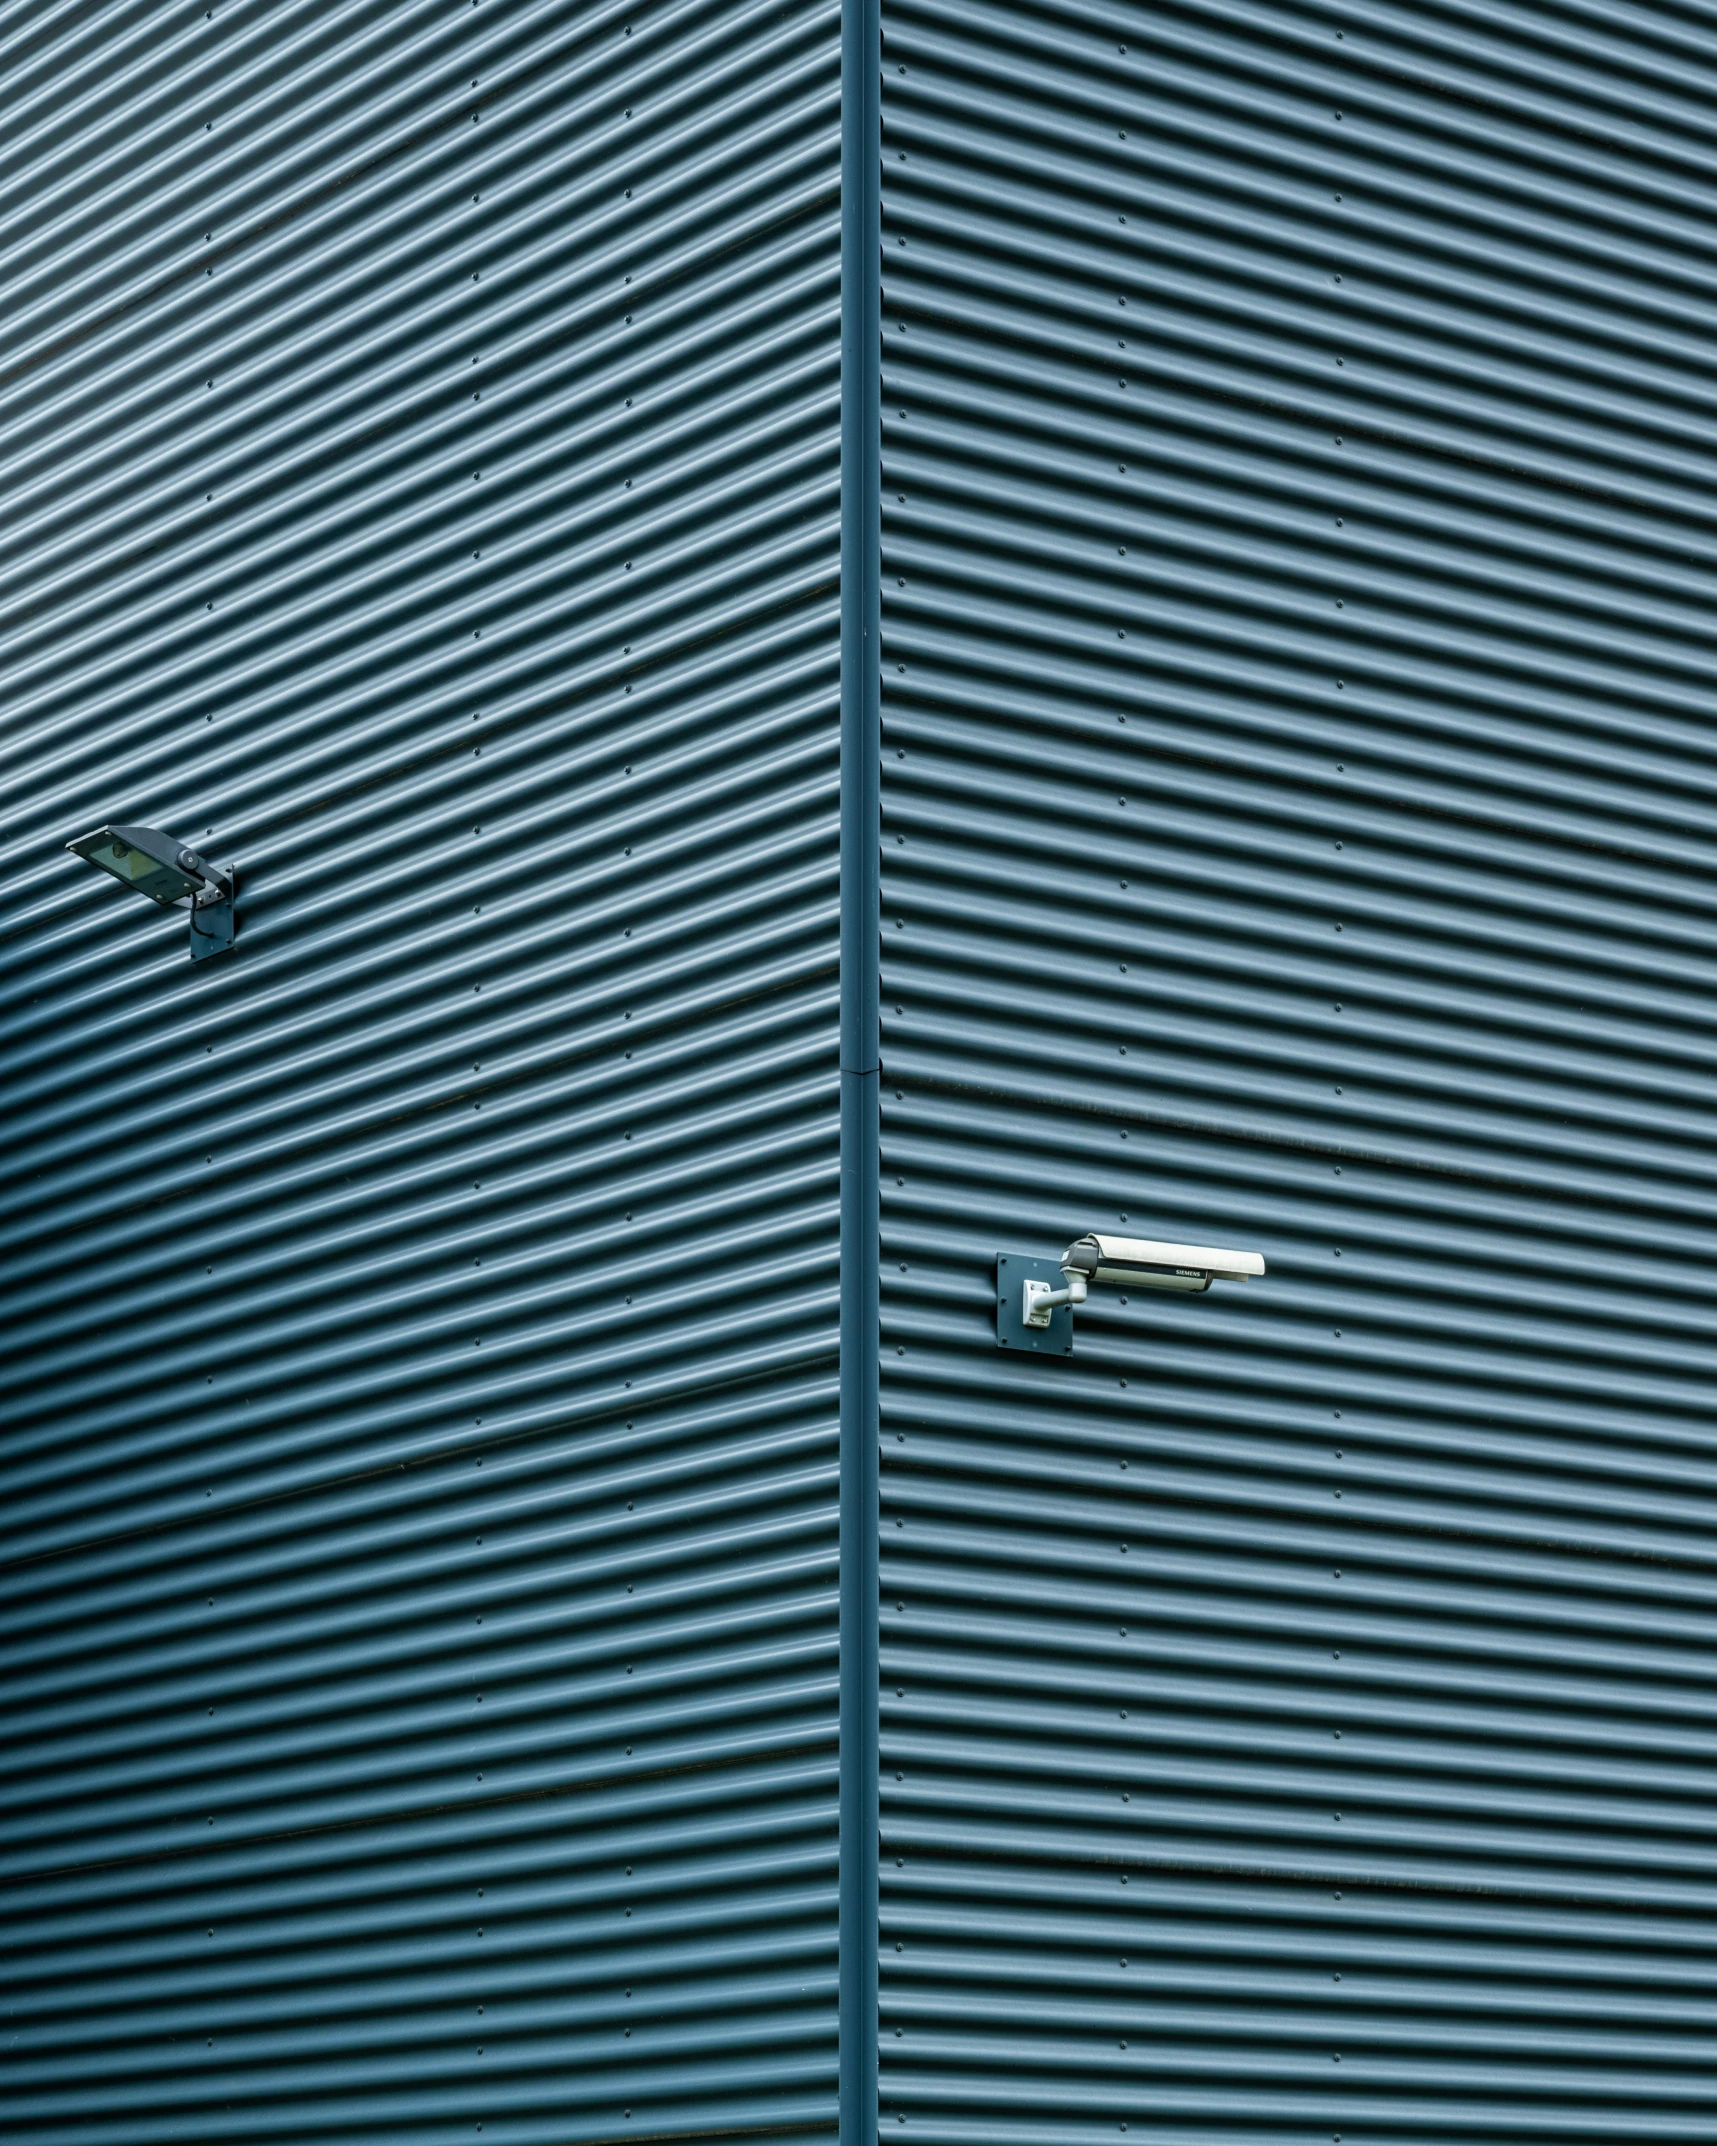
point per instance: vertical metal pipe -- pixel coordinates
(861, 751)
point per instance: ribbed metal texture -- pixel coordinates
(418, 477)
(1299, 833)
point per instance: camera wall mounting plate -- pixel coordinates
(1012, 1270)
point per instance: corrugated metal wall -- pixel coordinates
(419, 466)
(1300, 831)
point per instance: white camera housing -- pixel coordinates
(1132, 1263)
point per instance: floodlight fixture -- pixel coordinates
(1035, 1297)
(169, 874)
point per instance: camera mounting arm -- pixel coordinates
(1038, 1300)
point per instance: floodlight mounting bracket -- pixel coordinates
(213, 922)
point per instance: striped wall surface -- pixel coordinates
(1300, 832)
(419, 484)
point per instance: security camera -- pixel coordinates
(1131, 1263)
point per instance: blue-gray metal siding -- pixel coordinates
(1300, 832)
(419, 474)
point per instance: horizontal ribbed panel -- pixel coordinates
(1298, 834)
(420, 485)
